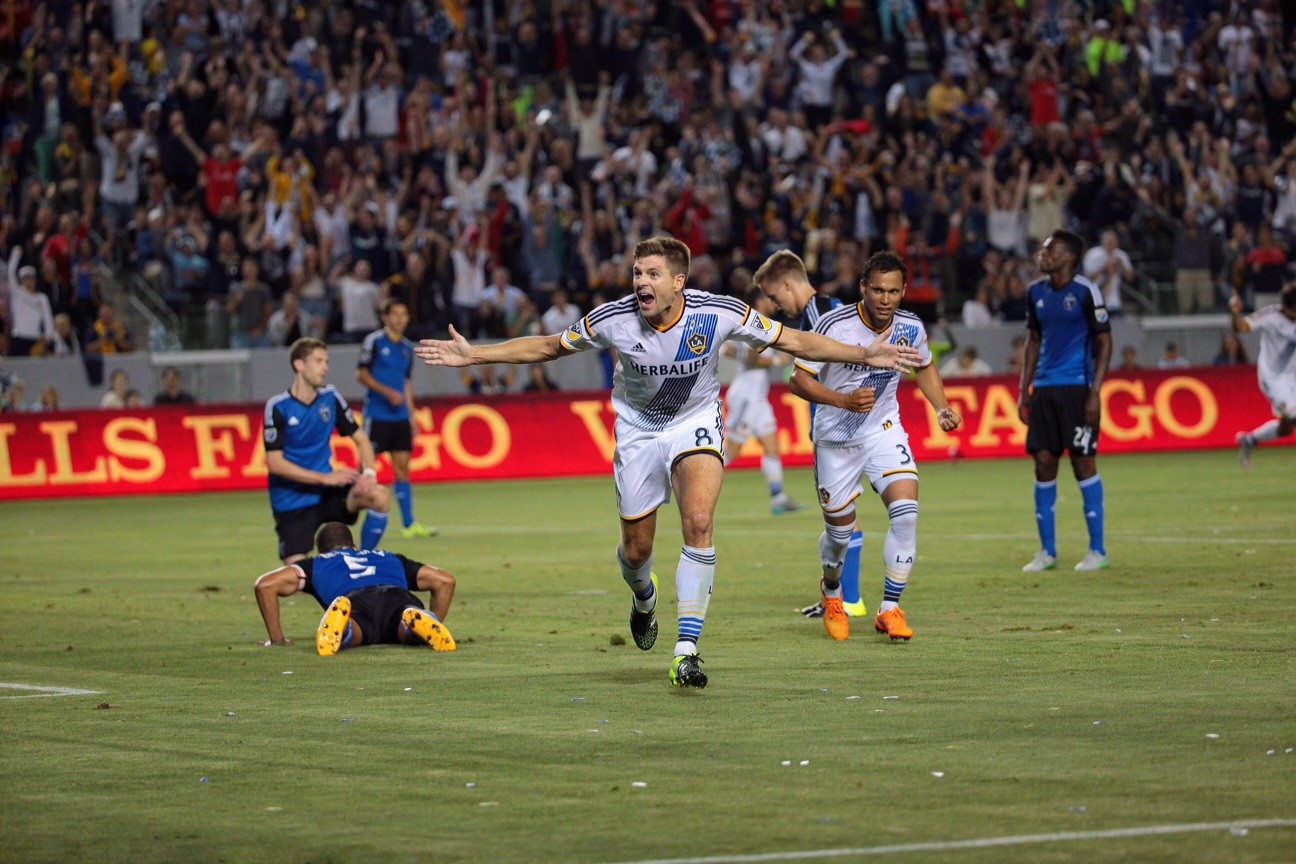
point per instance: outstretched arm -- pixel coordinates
(814, 346)
(270, 587)
(458, 351)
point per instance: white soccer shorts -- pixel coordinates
(1281, 393)
(883, 456)
(643, 461)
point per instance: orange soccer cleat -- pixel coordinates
(892, 623)
(834, 618)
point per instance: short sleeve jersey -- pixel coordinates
(304, 433)
(837, 427)
(1067, 319)
(669, 373)
(391, 363)
(341, 571)
(1277, 343)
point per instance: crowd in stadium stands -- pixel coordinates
(276, 168)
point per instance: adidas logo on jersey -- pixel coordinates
(293, 421)
(638, 346)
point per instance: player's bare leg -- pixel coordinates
(696, 481)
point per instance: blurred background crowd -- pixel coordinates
(256, 170)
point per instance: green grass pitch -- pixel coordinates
(1159, 693)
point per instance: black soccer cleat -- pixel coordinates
(686, 671)
(643, 625)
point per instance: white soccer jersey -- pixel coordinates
(837, 427)
(668, 373)
(1277, 358)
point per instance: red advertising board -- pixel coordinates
(200, 448)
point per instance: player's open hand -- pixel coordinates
(456, 351)
(948, 419)
(889, 356)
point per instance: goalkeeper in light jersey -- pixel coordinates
(858, 435)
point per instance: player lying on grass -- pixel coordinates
(367, 595)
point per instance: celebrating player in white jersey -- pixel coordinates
(857, 434)
(1275, 367)
(748, 413)
(669, 433)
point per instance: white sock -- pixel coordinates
(694, 581)
(640, 581)
(1265, 432)
(899, 550)
(772, 468)
(832, 551)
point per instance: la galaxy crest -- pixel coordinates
(904, 335)
(697, 343)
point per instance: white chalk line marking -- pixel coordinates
(982, 843)
(44, 692)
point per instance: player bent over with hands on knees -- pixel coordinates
(366, 593)
(305, 489)
(1275, 367)
(1068, 350)
(669, 427)
(857, 434)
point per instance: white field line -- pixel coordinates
(1238, 827)
(611, 528)
(44, 692)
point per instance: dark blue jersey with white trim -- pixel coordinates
(304, 433)
(1067, 319)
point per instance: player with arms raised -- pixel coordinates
(857, 434)
(669, 431)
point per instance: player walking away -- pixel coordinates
(783, 279)
(748, 413)
(385, 365)
(305, 489)
(1068, 349)
(367, 595)
(669, 431)
(858, 434)
(1275, 367)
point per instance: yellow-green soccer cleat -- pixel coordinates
(856, 609)
(643, 625)
(328, 638)
(425, 626)
(686, 671)
(414, 529)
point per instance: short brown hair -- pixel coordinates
(302, 348)
(674, 251)
(780, 265)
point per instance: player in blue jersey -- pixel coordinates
(386, 361)
(366, 594)
(669, 431)
(305, 489)
(784, 280)
(1068, 349)
(859, 438)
